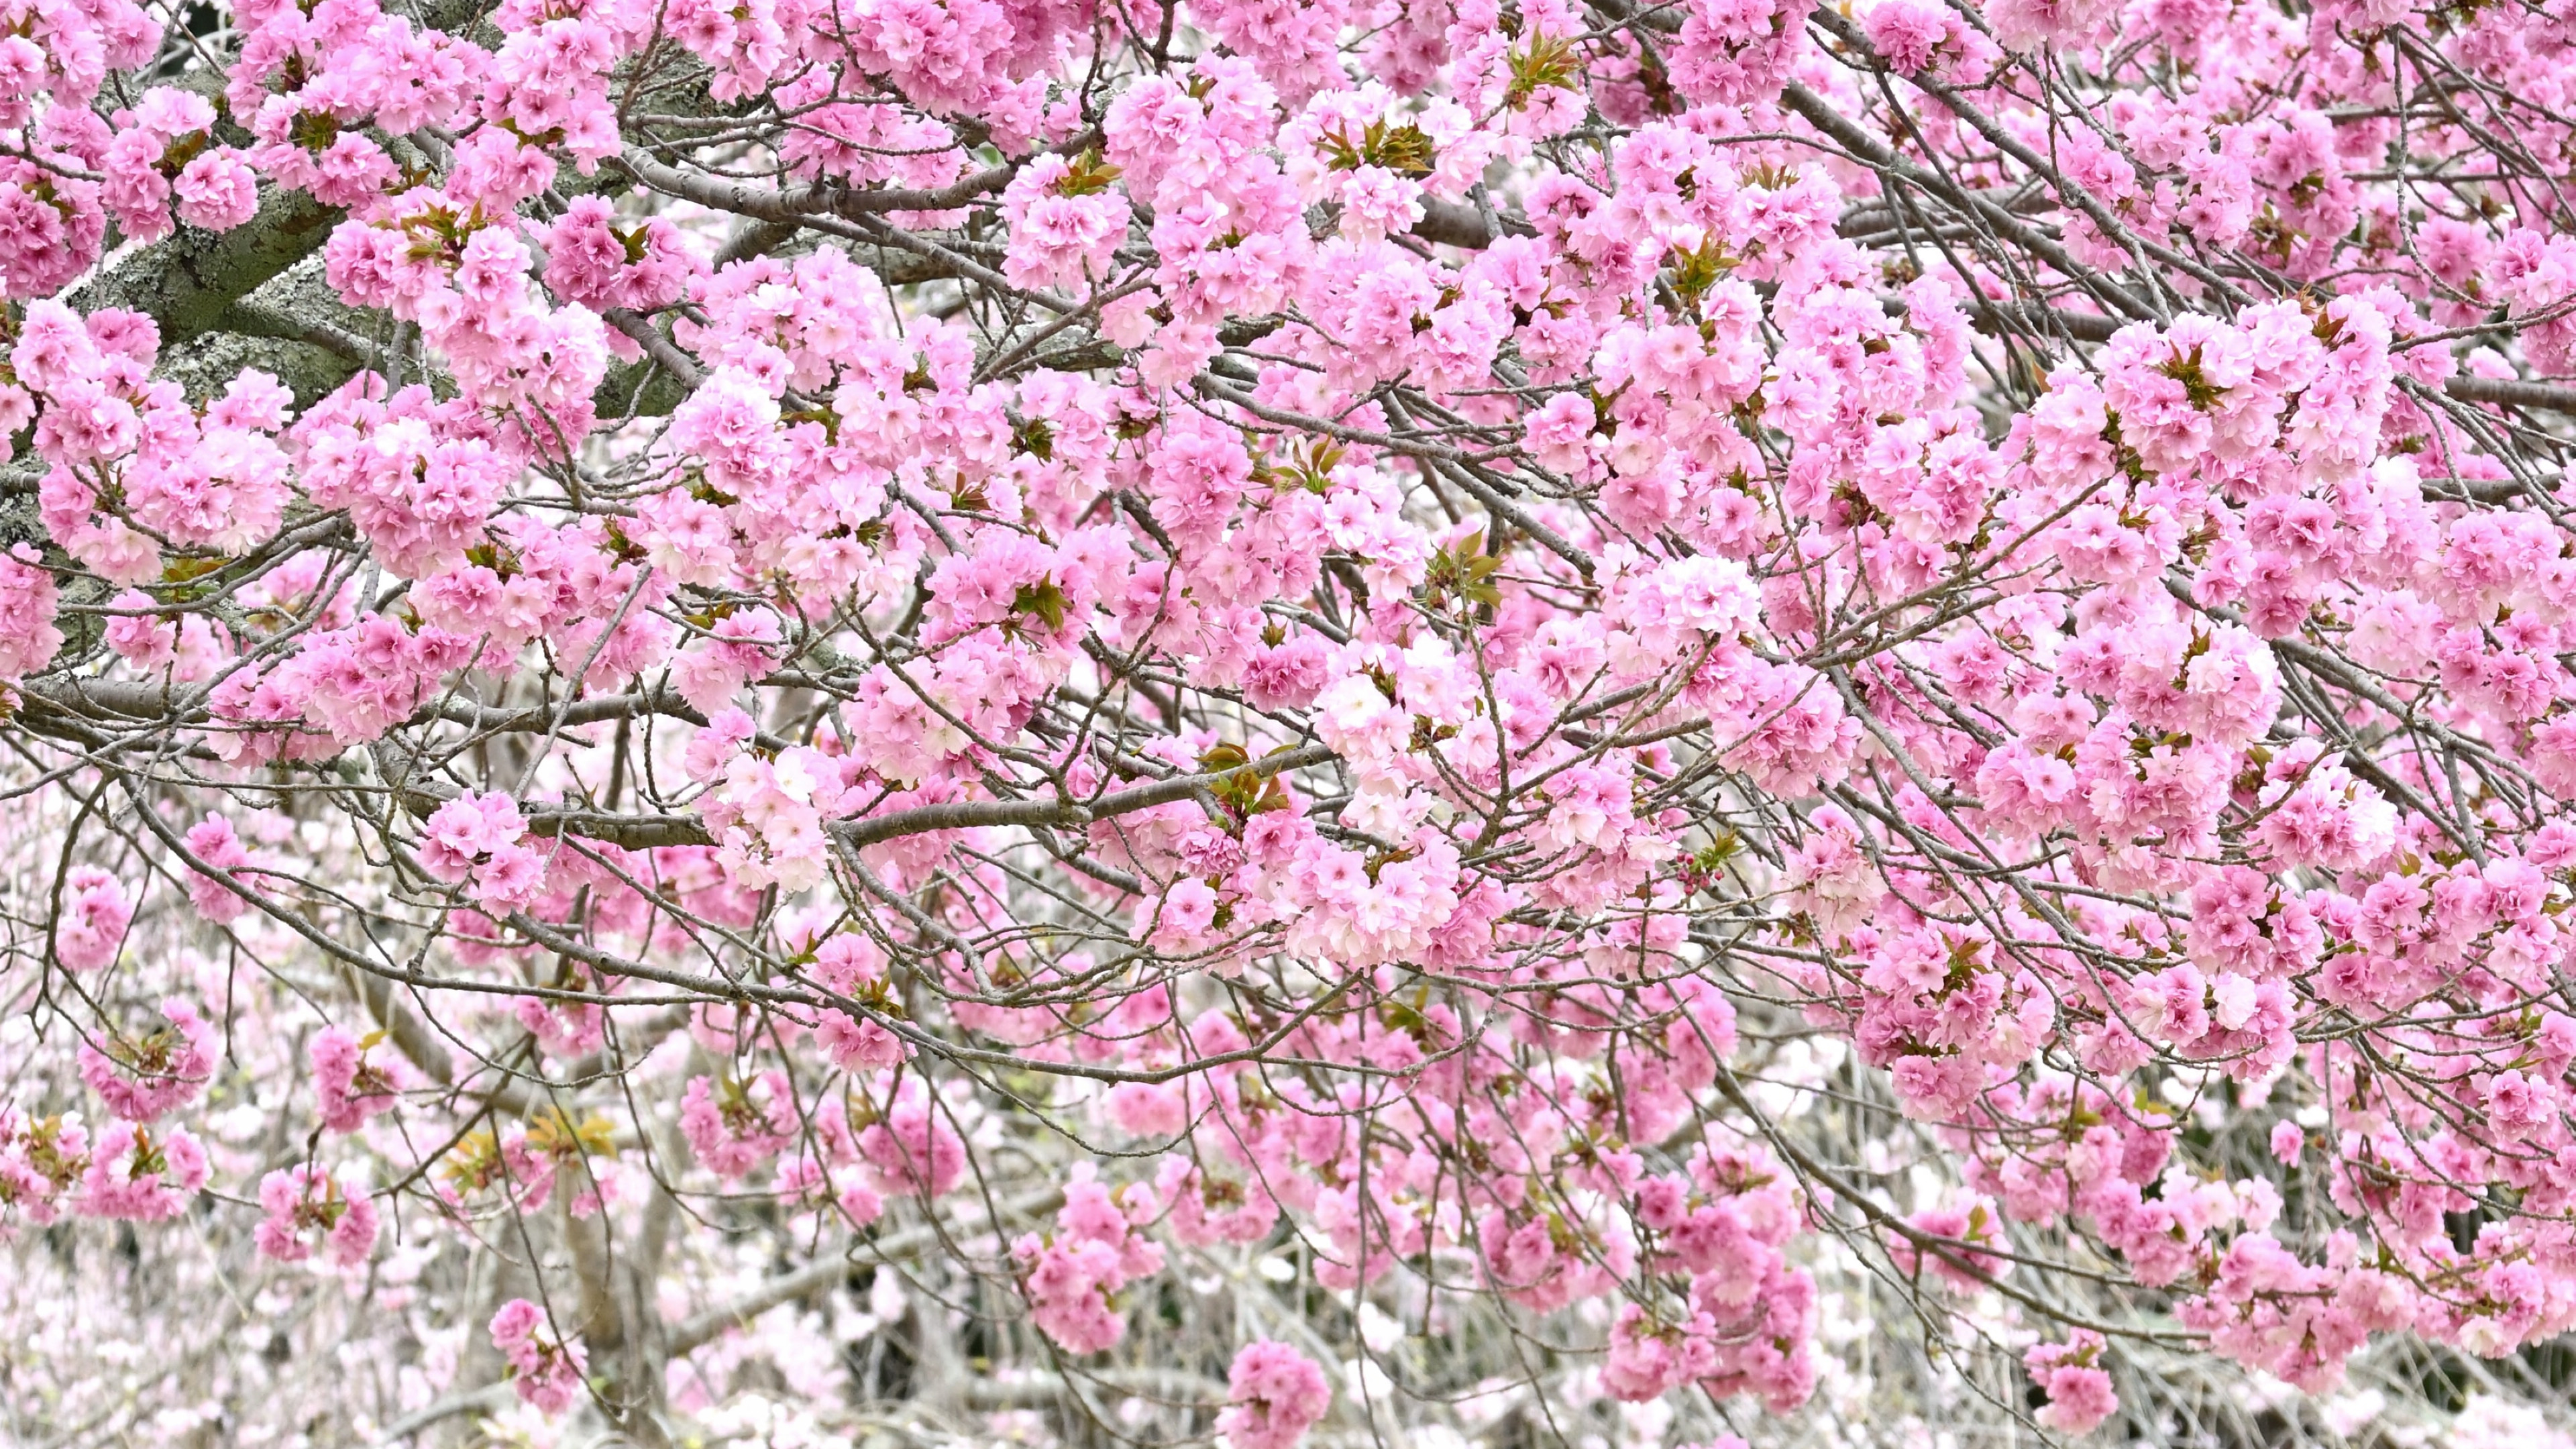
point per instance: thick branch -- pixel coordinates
(186, 282)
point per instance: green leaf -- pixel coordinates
(1043, 599)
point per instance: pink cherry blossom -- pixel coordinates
(1275, 1395)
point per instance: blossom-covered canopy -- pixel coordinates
(1286, 721)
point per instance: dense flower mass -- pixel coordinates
(1286, 722)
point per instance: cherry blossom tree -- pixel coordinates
(1287, 722)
